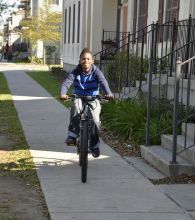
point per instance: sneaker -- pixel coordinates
(95, 152)
(70, 141)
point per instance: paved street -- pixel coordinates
(115, 190)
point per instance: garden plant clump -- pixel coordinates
(127, 120)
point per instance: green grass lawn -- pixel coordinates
(51, 82)
(18, 160)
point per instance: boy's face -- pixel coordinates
(86, 61)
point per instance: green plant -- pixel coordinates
(127, 119)
(123, 69)
(36, 60)
(23, 60)
(49, 53)
(58, 72)
(57, 69)
(163, 63)
(50, 50)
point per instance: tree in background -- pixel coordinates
(45, 27)
(6, 7)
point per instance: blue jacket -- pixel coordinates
(85, 84)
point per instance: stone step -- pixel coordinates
(158, 79)
(161, 158)
(189, 152)
(189, 130)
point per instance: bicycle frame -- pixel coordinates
(86, 117)
(83, 140)
(83, 143)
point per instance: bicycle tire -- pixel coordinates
(84, 151)
(79, 151)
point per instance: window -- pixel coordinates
(142, 10)
(69, 24)
(172, 10)
(135, 16)
(73, 28)
(143, 14)
(160, 20)
(72, 23)
(78, 26)
(160, 12)
(171, 13)
(65, 25)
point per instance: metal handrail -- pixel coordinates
(179, 64)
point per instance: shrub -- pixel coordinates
(127, 119)
(116, 70)
(57, 69)
(58, 72)
(36, 60)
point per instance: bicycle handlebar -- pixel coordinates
(86, 98)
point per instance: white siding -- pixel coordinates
(184, 9)
(94, 17)
(109, 12)
(130, 15)
(97, 26)
(152, 11)
(70, 49)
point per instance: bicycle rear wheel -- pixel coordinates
(79, 150)
(84, 151)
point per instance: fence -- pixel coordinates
(144, 66)
(127, 65)
(189, 114)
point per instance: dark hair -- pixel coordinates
(85, 50)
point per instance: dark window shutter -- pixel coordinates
(135, 16)
(160, 20)
(160, 12)
(143, 14)
(175, 9)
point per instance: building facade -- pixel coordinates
(82, 25)
(84, 21)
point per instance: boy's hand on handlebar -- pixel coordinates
(65, 97)
(109, 96)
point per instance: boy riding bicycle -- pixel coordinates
(86, 79)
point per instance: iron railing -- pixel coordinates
(144, 66)
(127, 66)
(189, 113)
(161, 94)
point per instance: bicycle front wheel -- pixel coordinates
(84, 151)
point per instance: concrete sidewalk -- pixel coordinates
(115, 190)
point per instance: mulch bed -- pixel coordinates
(121, 146)
(181, 179)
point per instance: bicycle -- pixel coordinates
(83, 140)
